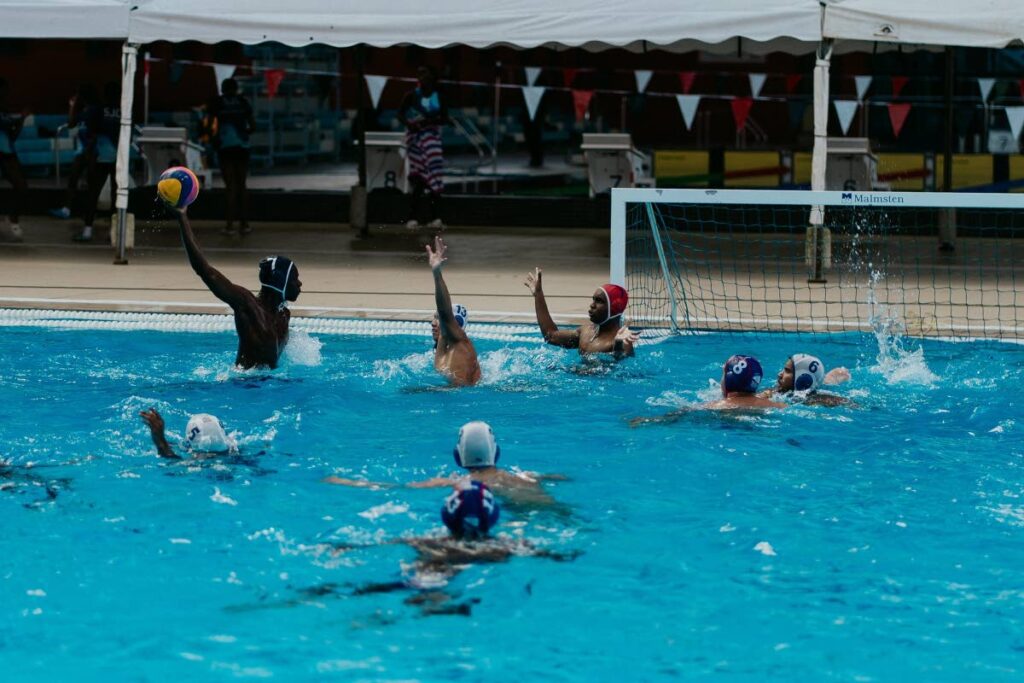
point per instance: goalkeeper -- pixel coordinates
(604, 333)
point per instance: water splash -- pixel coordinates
(895, 362)
(302, 349)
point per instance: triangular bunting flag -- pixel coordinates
(863, 83)
(581, 100)
(898, 116)
(845, 109)
(756, 83)
(375, 84)
(688, 108)
(272, 78)
(686, 78)
(532, 94)
(175, 70)
(1016, 117)
(532, 72)
(642, 79)
(741, 110)
(222, 72)
(985, 86)
(796, 113)
(569, 75)
(897, 85)
(793, 80)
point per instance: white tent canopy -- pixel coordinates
(982, 23)
(523, 23)
(64, 18)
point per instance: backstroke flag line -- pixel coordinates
(1016, 117)
(532, 95)
(222, 72)
(642, 79)
(845, 110)
(375, 84)
(688, 108)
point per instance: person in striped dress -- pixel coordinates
(423, 113)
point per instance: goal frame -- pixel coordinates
(845, 199)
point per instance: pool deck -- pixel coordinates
(382, 276)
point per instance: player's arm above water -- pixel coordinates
(155, 422)
(837, 376)
(222, 288)
(569, 339)
(436, 482)
(436, 257)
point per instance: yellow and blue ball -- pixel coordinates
(178, 187)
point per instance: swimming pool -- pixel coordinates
(877, 543)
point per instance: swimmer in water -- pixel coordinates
(605, 332)
(470, 514)
(477, 451)
(454, 355)
(741, 375)
(806, 374)
(204, 436)
(261, 320)
(21, 479)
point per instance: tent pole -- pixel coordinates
(494, 126)
(816, 235)
(821, 82)
(129, 55)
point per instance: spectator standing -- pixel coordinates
(423, 112)
(231, 123)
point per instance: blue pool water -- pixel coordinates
(880, 543)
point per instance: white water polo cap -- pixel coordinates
(477, 446)
(808, 372)
(205, 433)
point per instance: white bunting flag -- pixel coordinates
(532, 94)
(863, 83)
(375, 84)
(642, 79)
(688, 107)
(845, 109)
(985, 86)
(756, 83)
(532, 72)
(1016, 117)
(222, 72)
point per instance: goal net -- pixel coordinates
(929, 264)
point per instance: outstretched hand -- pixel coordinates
(153, 420)
(837, 376)
(627, 335)
(533, 282)
(438, 255)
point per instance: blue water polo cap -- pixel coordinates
(461, 314)
(275, 271)
(471, 510)
(742, 373)
(808, 372)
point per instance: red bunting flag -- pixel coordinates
(1022, 87)
(272, 78)
(569, 75)
(897, 85)
(898, 116)
(145, 66)
(792, 81)
(741, 110)
(581, 100)
(686, 78)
